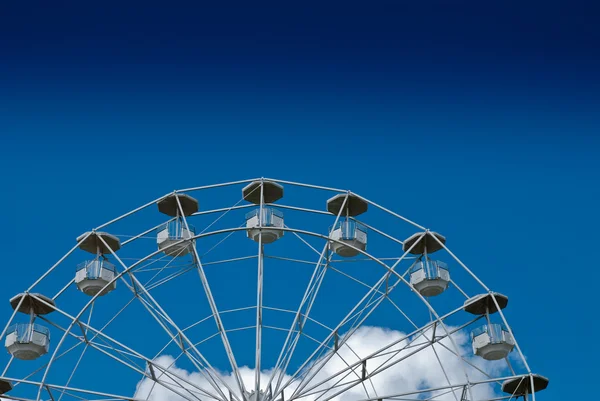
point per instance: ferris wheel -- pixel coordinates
(233, 292)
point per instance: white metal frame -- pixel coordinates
(302, 382)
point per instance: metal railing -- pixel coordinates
(268, 215)
(349, 229)
(430, 267)
(24, 331)
(94, 267)
(498, 333)
(175, 229)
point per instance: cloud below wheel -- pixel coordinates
(415, 368)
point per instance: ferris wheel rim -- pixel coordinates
(327, 239)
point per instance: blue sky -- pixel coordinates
(479, 121)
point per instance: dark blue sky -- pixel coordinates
(391, 61)
(488, 109)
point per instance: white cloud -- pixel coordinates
(420, 370)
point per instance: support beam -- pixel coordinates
(216, 315)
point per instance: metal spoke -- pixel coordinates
(370, 293)
(259, 296)
(308, 300)
(205, 368)
(215, 311)
(386, 347)
(109, 344)
(305, 367)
